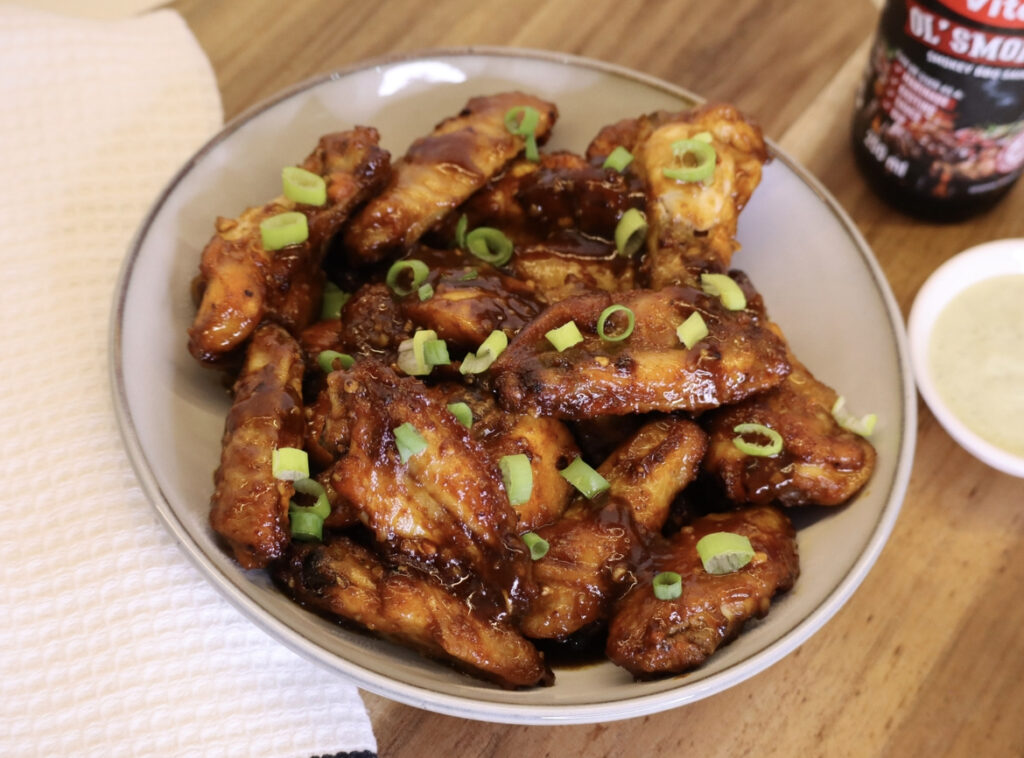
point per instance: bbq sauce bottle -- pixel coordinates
(938, 129)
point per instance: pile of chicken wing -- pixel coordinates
(426, 549)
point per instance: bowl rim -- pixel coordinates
(981, 262)
(457, 705)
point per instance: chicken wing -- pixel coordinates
(440, 171)
(241, 283)
(591, 552)
(249, 507)
(650, 637)
(347, 580)
(651, 370)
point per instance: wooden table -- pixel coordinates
(927, 659)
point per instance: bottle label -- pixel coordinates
(941, 108)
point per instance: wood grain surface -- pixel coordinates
(927, 658)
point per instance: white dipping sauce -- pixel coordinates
(976, 356)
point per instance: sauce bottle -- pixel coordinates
(938, 128)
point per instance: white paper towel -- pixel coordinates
(111, 643)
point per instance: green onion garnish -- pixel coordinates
(773, 447)
(462, 412)
(490, 245)
(435, 353)
(538, 546)
(703, 137)
(289, 464)
(301, 186)
(333, 301)
(584, 478)
(697, 158)
(524, 127)
(284, 229)
(608, 313)
(667, 585)
(408, 441)
(565, 336)
(460, 231)
(725, 289)
(864, 426)
(469, 275)
(425, 291)
(724, 552)
(322, 507)
(332, 360)
(304, 524)
(692, 330)
(630, 232)
(486, 354)
(419, 272)
(517, 475)
(618, 159)
(412, 357)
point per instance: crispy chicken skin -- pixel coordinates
(347, 580)
(444, 510)
(820, 463)
(692, 224)
(650, 371)
(242, 283)
(249, 507)
(591, 555)
(650, 637)
(441, 170)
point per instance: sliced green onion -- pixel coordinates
(703, 137)
(462, 412)
(469, 275)
(322, 506)
(408, 441)
(630, 232)
(486, 354)
(525, 127)
(304, 524)
(419, 272)
(618, 159)
(584, 478)
(608, 313)
(538, 546)
(425, 291)
(411, 356)
(333, 301)
(692, 330)
(332, 360)
(490, 245)
(460, 231)
(303, 186)
(774, 446)
(725, 289)
(517, 475)
(565, 336)
(864, 426)
(700, 154)
(435, 353)
(284, 229)
(724, 552)
(667, 585)
(289, 464)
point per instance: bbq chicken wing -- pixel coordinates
(249, 507)
(242, 283)
(650, 637)
(347, 580)
(593, 548)
(651, 370)
(441, 170)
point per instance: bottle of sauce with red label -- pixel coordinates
(939, 122)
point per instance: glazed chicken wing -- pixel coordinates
(242, 283)
(441, 170)
(590, 558)
(651, 370)
(249, 507)
(650, 637)
(345, 579)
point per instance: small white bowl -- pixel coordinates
(976, 264)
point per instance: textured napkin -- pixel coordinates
(111, 643)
